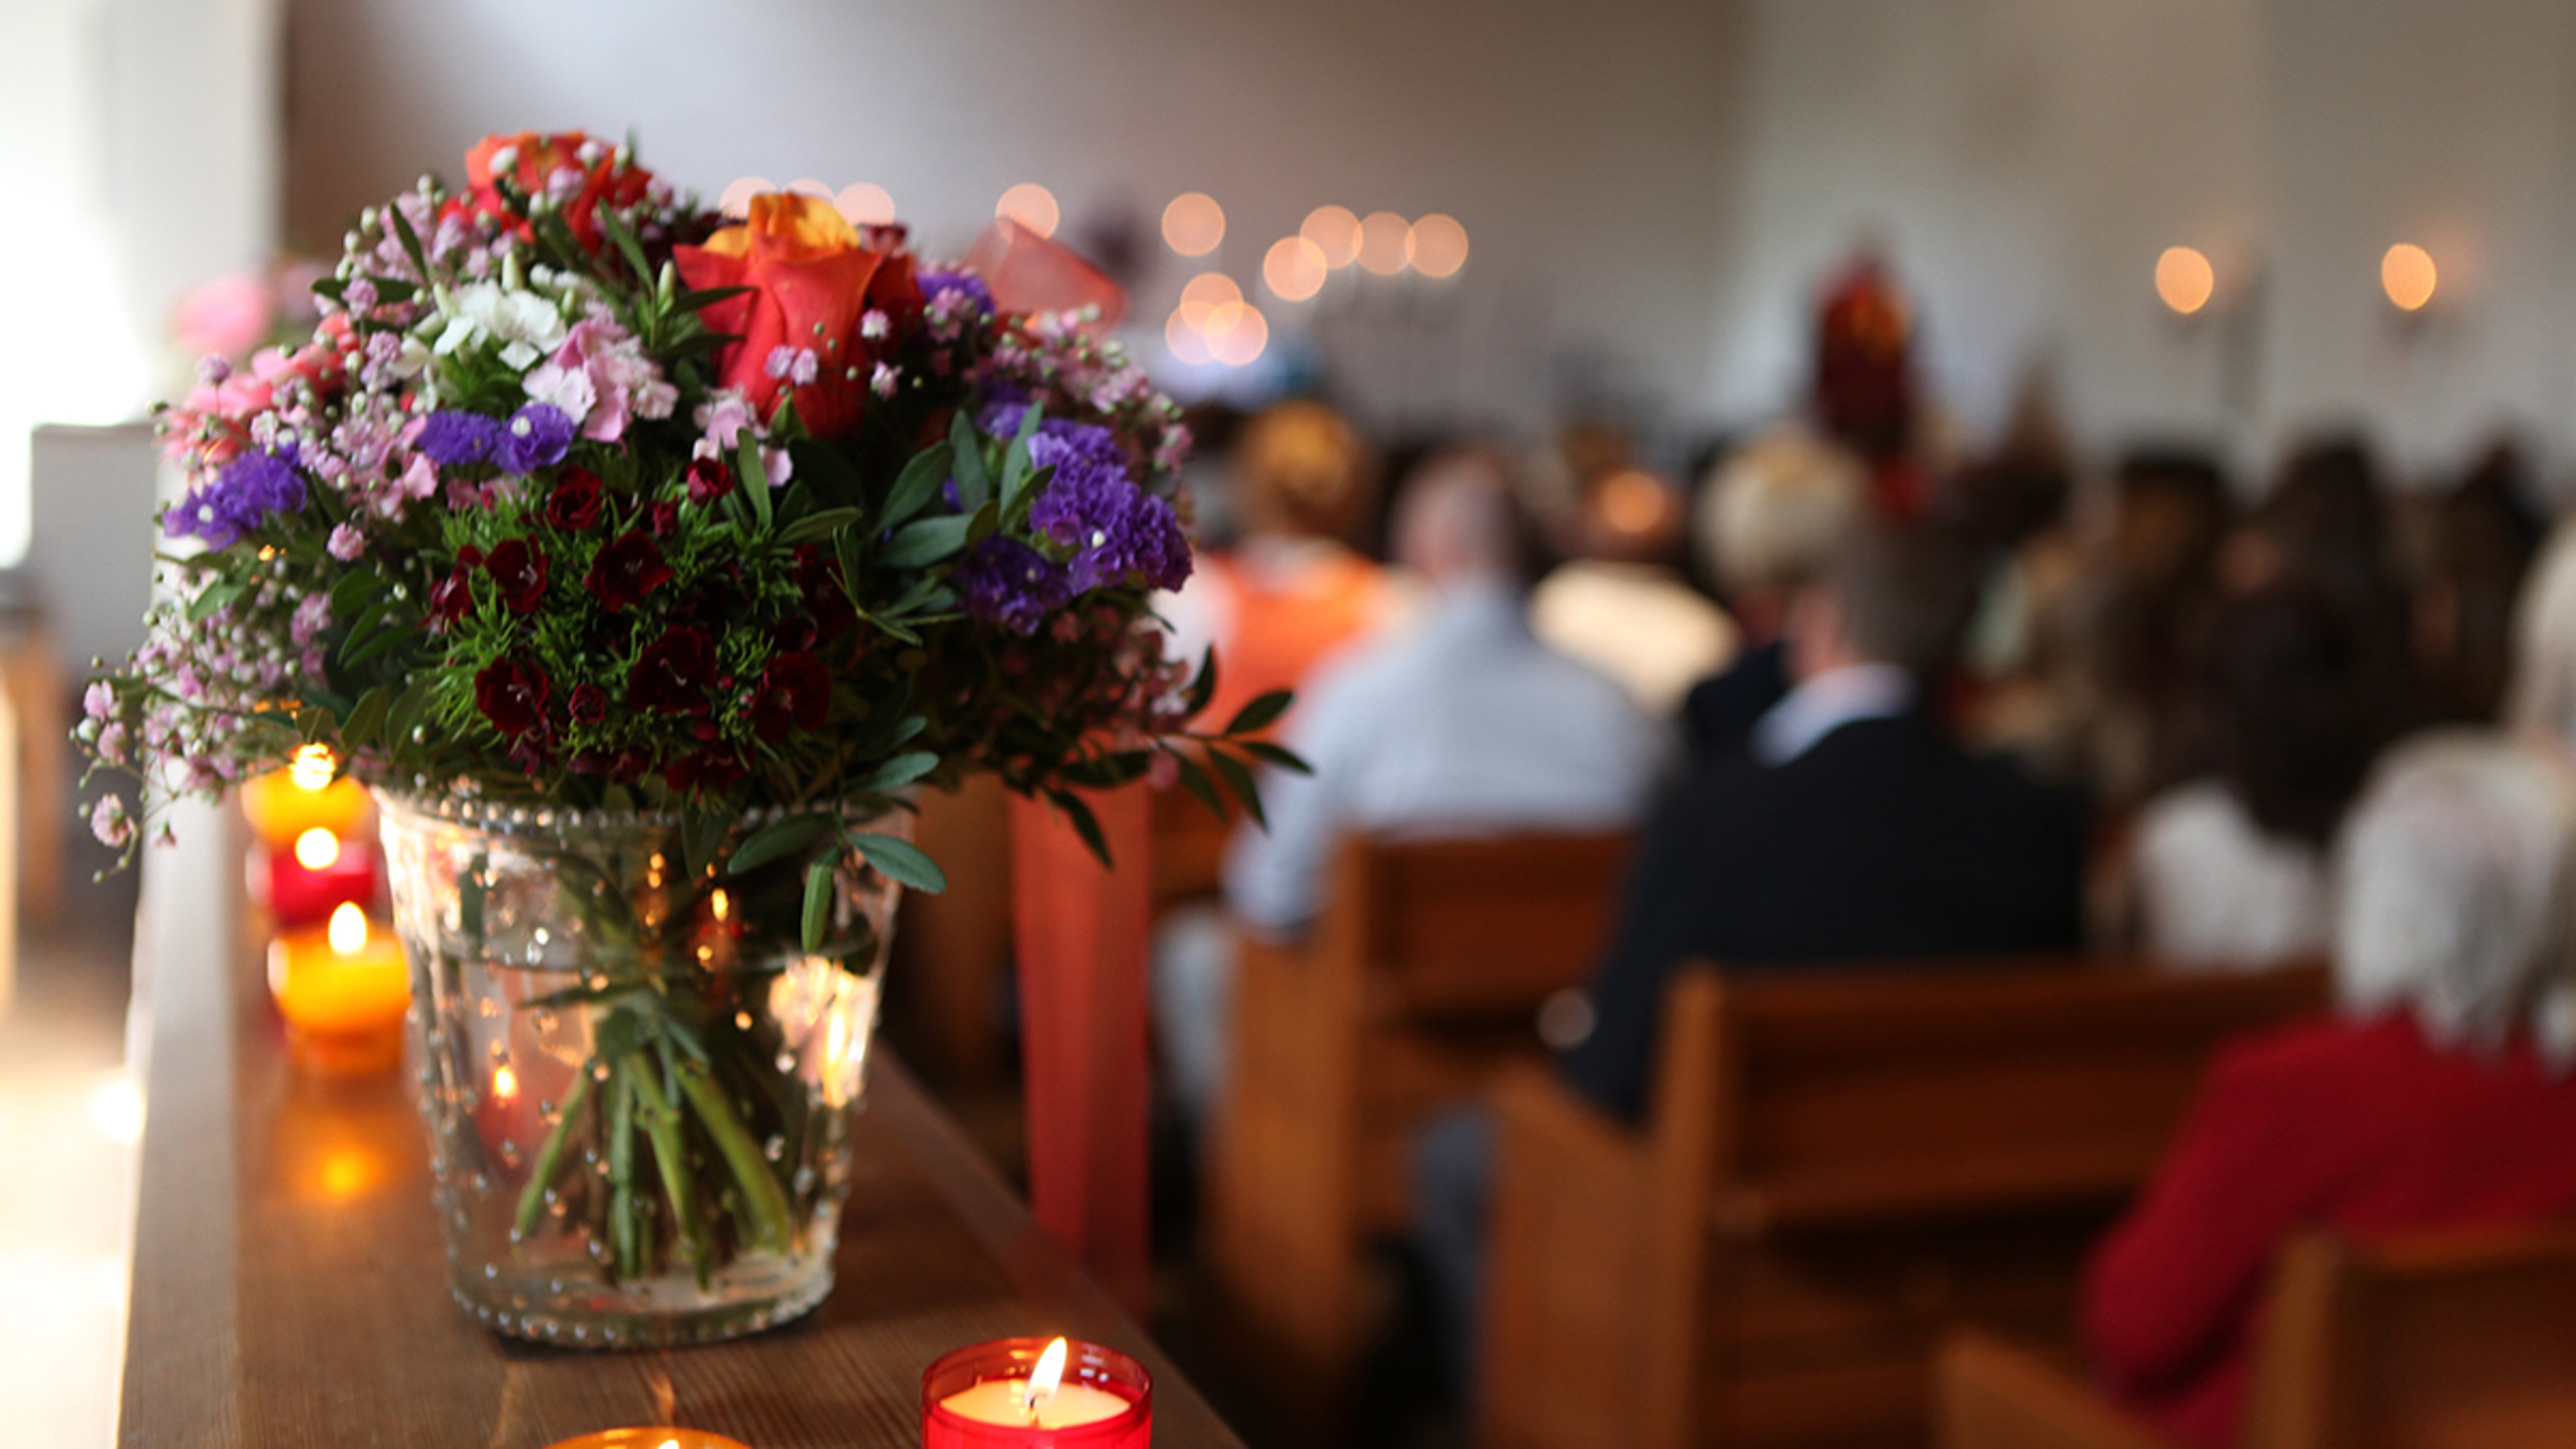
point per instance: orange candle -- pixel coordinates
(651, 1439)
(343, 989)
(283, 804)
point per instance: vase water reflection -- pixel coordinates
(638, 1080)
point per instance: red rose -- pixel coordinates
(709, 480)
(534, 161)
(813, 281)
(630, 568)
(795, 693)
(512, 695)
(588, 704)
(574, 505)
(672, 673)
(518, 570)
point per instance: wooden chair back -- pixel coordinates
(1443, 928)
(2450, 1342)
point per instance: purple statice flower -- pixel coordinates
(966, 285)
(1006, 582)
(247, 491)
(1002, 409)
(1116, 530)
(538, 435)
(454, 439)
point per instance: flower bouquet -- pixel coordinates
(643, 560)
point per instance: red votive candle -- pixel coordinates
(980, 1397)
(309, 881)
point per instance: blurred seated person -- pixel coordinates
(1850, 830)
(1291, 590)
(2481, 538)
(2437, 1098)
(2327, 520)
(2229, 870)
(1457, 722)
(1765, 520)
(1620, 603)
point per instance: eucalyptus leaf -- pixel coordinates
(1259, 713)
(818, 525)
(776, 841)
(1194, 776)
(900, 859)
(926, 542)
(900, 771)
(974, 485)
(917, 484)
(818, 903)
(1238, 779)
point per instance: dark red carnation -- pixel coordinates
(452, 596)
(625, 571)
(795, 693)
(662, 517)
(512, 695)
(709, 480)
(588, 704)
(518, 570)
(672, 673)
(574, 505)
(714, 768)
(827, 605)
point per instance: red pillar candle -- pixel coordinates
(1033, 1393)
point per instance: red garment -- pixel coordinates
(1283, 622)
(2363, 1127)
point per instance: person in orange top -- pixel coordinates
(1292, 590)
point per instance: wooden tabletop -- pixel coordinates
(290, 1286)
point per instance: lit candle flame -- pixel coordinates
(348, 929)
(317, 849)
(1045, 1380)
(312, 767)
(505, 1083)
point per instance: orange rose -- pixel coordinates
(803, 323)
(534, 159)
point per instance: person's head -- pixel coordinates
(1304, 473)
(2290, 703)
(1458, 520)
(2453, 896)
(1997, 505)
(1885, 595)
(2326, 517)
(2172, 510)
(1770, 513)
(1629, 515)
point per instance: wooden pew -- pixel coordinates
(1421, 978)
(2451, 1341)
(1836, 1167)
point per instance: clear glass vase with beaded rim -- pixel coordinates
(639, 1079)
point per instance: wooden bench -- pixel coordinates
(1420, 980)
(1837, 1166)
(2453, 1341)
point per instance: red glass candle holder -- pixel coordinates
(1100, 1370)
(297, 894)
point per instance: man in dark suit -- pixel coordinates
(1849, 829)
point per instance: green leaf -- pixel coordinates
(776, 841)
(1203, 688)
(900, 859)
(818, 525)
(974, 485)
(1238, 779)
(705, 297)
(1085, 824)
(1195, 776)
(213, 597)
(928, 541)
(755, 480)
(818, 903)
(702, 833)
(624, 237)
(318, 723)
(845, 552)
(900, 771)
(410, 240)
(1260, 712)
(917, 484)
(355, 590)
(366, 718)
(1279, 755)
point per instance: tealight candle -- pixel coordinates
(1028, 1393)
(665, 1438)
(343, 989)
(283, 804)
(320, 874)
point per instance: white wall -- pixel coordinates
(1582, 146)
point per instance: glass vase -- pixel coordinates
(639, 1085)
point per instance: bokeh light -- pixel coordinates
(1295, 269)
(1205, 293)
(809, 186)
(1237, 333)
(1031, 205)
(736, 201)
(1439, 245)
(2184, 279)
(1188, 343)
(1335, 230)
(1386, 243)
(1193, 224)
(2409, 276)
(317, 849)
(865, 204)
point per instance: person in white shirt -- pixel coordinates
(1620, 604)
(1459, 722)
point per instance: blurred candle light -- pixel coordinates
(1193, 224)
(865, 204)
(666, 1438)
(283, 804)
(317, 849)
(1295, 269)
(2408, 275)
(343, 989)
(1236, 334)
(736, 201)
(1335, 230)
(1031, 205)
(1439, 245)
(2184, 280)
(1386, 243)
(1187, 343)
(1204, 293)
